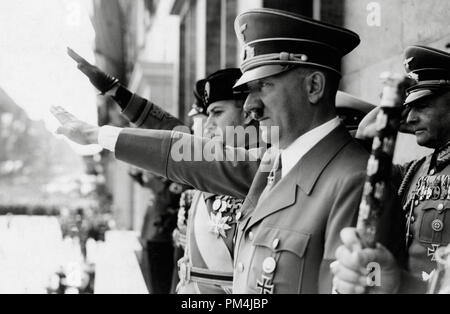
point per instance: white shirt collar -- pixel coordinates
(301, 146)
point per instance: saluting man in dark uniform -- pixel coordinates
(207, 266)
(425, 183)
(209, 221)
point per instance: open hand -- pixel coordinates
(74, 129)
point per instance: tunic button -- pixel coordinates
(432, 172)
(440, 207)
(276, 243)
(251, 236)
(413, 219)
(416, 203)
(240, 267)
(437, 225)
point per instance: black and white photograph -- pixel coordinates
(224, 147)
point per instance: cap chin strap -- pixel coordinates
(283, 58)
(433, 84)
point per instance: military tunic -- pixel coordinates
(427, 208)
(287, 236)
(210, 222)
(207, 266)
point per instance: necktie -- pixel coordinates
(275, 174)
(273, 178)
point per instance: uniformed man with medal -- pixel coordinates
(305, 189)
(207, 266)
(205, 220)
(425, 183)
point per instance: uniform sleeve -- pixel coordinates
(344, 214)
(184, 159)
(145, 114)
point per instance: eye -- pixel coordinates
(257, 114)
(421, 106)
(265, 84)
(217, 112)
(258, 86)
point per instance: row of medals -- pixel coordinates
(433, 188)
(227, 204)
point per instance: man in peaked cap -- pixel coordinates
(352, 110)
(302, 193)
(216, 106)
(431, 68)
(425, 183)
(207, 265)
(209, 221)
(291, 69)
(275, 41)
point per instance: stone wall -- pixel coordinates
(386, 28)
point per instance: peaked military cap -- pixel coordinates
(430, 68)
(219, 86)
(351, 109)
(199, 106)
(274, 41)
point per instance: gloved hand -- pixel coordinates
(102, 81)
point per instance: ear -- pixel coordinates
(315, 86)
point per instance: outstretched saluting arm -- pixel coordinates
(180, 157)
(139, 111)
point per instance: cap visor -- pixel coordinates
(345, 100)
(417, 95)
(259, 73)
(193, 112)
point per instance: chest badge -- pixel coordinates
(264, 286)
(218, 225)
(432, 252)
(437, 225)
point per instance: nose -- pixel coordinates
(412, 116)
(209, 125)
(254, 106)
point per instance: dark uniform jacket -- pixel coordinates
(210, 225)
(426, 205)
(287, 235)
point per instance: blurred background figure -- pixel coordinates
(156, 236)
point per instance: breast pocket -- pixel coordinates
(278, 261)
(435, 224)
